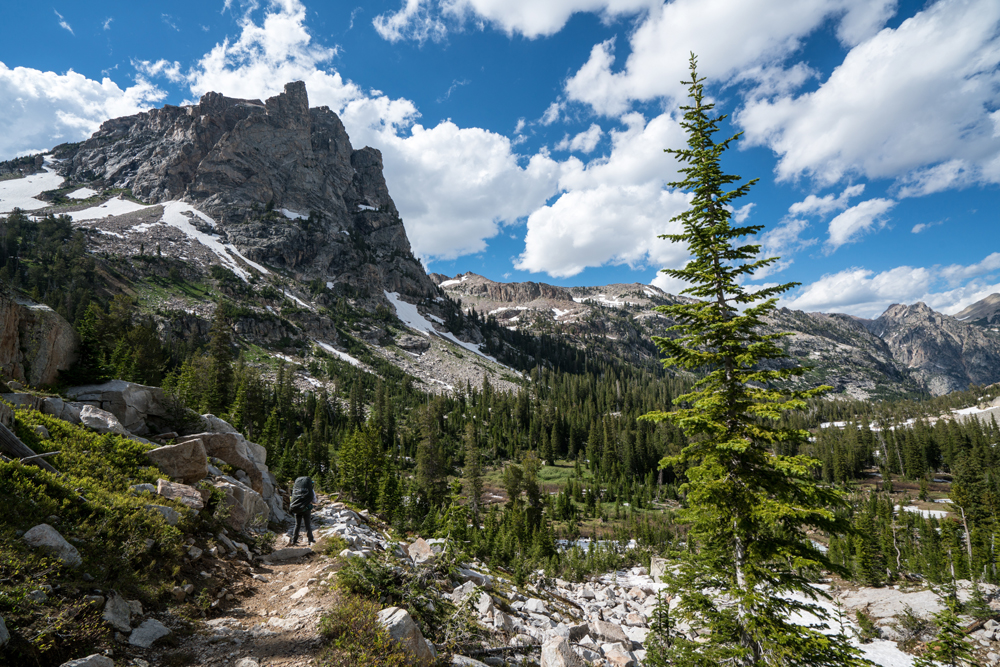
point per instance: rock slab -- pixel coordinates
(187, 462)
(557, 652)
(147, 633)
(95, 660)
(404, 630)
(44, 536)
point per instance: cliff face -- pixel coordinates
(35, 341)
(985, 312)
(943, 353)
(282, 180)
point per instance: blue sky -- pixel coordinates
(523, 140)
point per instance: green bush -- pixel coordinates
(356, 637)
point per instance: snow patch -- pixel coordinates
(292, 215)
(83, 193)
(365, 207)
(176, 214)
(559, 313)
(337, 353)
(449, 283)
(927, 514)
(112, 207)
(21, 192)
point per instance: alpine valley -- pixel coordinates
(200, 304)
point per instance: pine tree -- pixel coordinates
(221, 357)
(473, 472)
(951, 646)
(748, 506)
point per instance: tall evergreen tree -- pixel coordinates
(748, 506)
(221, 356)
(473, 472)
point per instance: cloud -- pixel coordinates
(169, 21)
(42, 109)
(865, 293)
(923, 226)
(612, 208)
(107, 23)
(415, 21)
(552, 113)
(63, 24)
(855, 221)
(585, 142)
(915, 103)
(783, 241)
(821, 206)
(738, 41)
(454, 84)
(419, 20)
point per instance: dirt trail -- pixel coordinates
(272, 619)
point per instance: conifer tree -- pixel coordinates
(748, 506)
(473, 472)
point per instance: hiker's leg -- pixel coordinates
(298, 523)
(309, 530)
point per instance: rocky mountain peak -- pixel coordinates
(984, 311)
(281, 179)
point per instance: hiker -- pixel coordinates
(303, 498)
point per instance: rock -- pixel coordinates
(101, 421)
(578, 632)
(288, 553)
(247, 662)
(462, 591)
(246, 506)
(420, 551)
(135, 406)
(142, 488)
(38, 596)
(636, 634)
(635, 619)
(4, 634)
(147, 633)
(117, 613)
(41, 432)
(36, 343)
(169, 514)
(44, 536)
(404, 630)
(556, 652)
(235, 450)
(535, 606)
(503, 622)
(187, 461)
(299, 594)
(484, 604)
(194, 553)
(178, 593)
(657, 567)
(618, 656)
(609, 632)
(484, 581)
(183, 493)
(463, 661)
(95, 660)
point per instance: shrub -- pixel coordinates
(356, 637)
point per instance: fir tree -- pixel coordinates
(951, 646)
(748, 506)
(473, 472)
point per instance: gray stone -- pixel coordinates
(41, 432)
(484, 604)
(35, 341)
(609, 632)
(404, 630)
(101, 421)
(142, 488)
(95, 660)
(288, 553)
(535, 606)
(556, 652)
(117, 613)
(618, 656)
(186, 461)
(420, 551)
(247, 662)
(38, 596)
(657, 566)
(246, 506)
(4, 635)
(188, 495)
(462, 661)
(133, 405)
(147, 633)
(484, 581)
(170, 515)
(462, 591)
(44, 536)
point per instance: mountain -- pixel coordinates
(941, 352)
(281, 182)
(984, 312)
(268, 206)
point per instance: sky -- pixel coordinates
(523, 139)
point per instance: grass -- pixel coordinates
(154, 289)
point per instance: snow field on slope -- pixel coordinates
(82, 193)
(337, 353)
(21, 192)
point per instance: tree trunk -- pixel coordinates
(11, 445)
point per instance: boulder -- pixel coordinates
(44, 536)
(95, 660)
(535, 606)
(169, 514)
(246, 506)
(556, 652)
(247, 662)
(461, 592)
(234, 449)
(118, 613)
(187, 461)
(181, 493)
(65, 410)
(462, 661)
(420, 551)
(618, 656)
(101, 421)
(404, 630)
(657, 567)
(36, 343)
(609, 632)
(288, 553)
(4, 635)
(133, 405)
(147, 633)
(484, 581)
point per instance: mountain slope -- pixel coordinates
(984, 312)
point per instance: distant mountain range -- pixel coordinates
(317, 260)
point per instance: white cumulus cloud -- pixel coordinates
(584, 142)
(855, 221)
(914, 103)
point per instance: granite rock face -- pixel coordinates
(942, 352)
(35, 341)
(281, 179)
